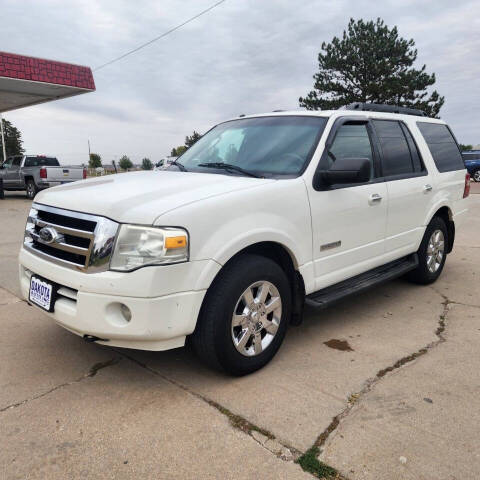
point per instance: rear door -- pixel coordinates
(348, 221)
(409, 186)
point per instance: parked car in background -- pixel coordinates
(164, 163)
(37, 172)
(261, 215)
(472, 163)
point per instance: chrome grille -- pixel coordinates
(76, 240)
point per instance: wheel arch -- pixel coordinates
(446, 215)
(286, 259)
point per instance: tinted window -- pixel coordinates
(416, 158)
(16, 161)
(352, 141)
(442, 146)
(41, 162)
(471, 156)
(396, 152)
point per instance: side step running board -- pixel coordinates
(327, 296)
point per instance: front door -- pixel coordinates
(12, 172)
(348, 221)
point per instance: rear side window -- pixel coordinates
(397, 156)
(416, 158)
(442, 145)
(41, 162)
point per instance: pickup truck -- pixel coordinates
(472, 163)
(263, 214)
(33, 173)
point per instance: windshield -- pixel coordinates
(266, 146)
(41, 162)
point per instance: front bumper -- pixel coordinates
(164, 301)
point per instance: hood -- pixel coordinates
(140, 197)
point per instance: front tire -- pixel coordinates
(245, 315)
(32, 189)
(431, 254)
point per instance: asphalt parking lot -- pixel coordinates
(386, 385)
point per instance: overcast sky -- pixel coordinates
(245, 56)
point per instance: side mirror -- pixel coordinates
(344, 170)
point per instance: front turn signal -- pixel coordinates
(176, 242)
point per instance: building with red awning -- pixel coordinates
(26, 81)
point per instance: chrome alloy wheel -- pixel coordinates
(256, 318)
(435, 251)
(476, 176)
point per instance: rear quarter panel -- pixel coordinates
(448, 187)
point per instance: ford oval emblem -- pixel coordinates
(48, 235)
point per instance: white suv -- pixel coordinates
(262, 214)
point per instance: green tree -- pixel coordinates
(181, 149)
(95, 160)
(125, 163)
(465, 148)
(173, 153)
(13, 140)
(193, 138)
(371, 63)
(146, 164)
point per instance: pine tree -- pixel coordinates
(13, 140)
(371, 63)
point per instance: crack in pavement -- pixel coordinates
(370, 383)
(94, 369)
(453, 302)
(262, 436)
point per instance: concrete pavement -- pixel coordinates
(397, 400)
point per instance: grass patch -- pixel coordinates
(310, 463)
(239, 422)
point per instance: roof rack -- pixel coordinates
(380, 107)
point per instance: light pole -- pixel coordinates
(3, 139)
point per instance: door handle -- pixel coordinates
(374, 198)
(427, 188)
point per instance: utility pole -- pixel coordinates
(88, 150)
(3, 139)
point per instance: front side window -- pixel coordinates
(8, 163)
(397, 159)
(278, 146)
(16, 161)
(442, 145)
(351, 141)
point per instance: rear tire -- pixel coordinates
(431, 254)
(32, 189)
(476, 175)
(244, 317)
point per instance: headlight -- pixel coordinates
(30, 226)
(141, 246)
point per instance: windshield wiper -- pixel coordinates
(179, 165)
(229, 166)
